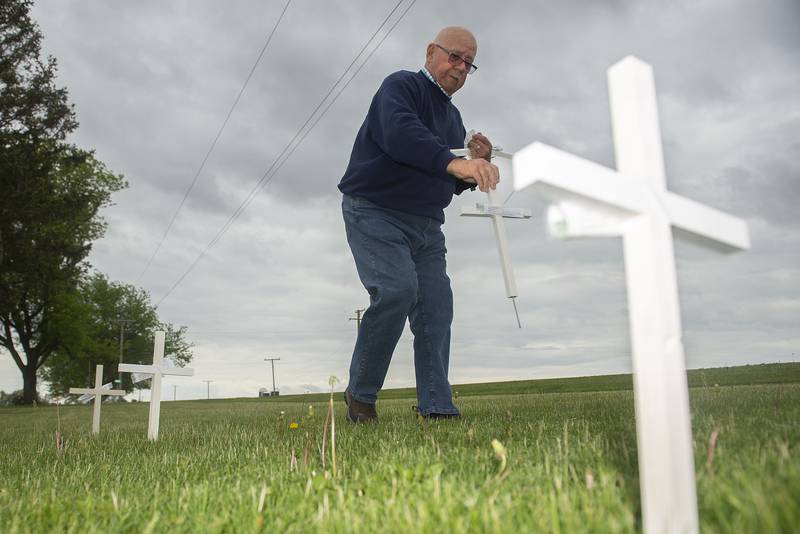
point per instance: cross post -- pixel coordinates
(98, 392)
(157, 369)
(589, 200)
(496, 211)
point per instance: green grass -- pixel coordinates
(225, 465)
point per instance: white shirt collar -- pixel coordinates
(433, 80)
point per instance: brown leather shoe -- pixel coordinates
(359, 412)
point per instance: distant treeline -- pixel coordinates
(768, 373)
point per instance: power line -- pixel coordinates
(273, 169)
(267, 178)
(213, 143)
(299, 136)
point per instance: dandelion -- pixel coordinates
(310, 411)
(501, 455)
(293, 425)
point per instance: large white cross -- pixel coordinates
(589, 200)
(157, 370)
(98, 392)
(496, 211)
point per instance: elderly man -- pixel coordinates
(400, 178)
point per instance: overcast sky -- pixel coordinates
(153, 81)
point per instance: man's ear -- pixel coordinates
(429, 51)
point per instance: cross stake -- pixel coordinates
(496, 212)
(589, 200)
(98, 392)
(158, 369)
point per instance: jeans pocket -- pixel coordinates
(355, 202)
(355, 205)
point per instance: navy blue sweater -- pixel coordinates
(402, 150)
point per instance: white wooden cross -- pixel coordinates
(157, 370)
(589, 200)
(497, 211)
(98, 392)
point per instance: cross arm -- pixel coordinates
(137, 368)
(177, 371)
(155, 369)
(559, 176)
(573, 183)
(707, 226)
(496, 153)
(86, 391)
(481, 209)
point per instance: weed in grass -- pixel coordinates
(712, 446)
(332, 381)
(61, 445)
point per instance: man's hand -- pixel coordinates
(480, 147)
(475, 171)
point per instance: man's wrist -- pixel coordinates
(453, 167)
(443, 160)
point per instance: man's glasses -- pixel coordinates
(457, 60)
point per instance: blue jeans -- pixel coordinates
(400, 259)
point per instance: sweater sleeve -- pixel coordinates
(399, 132)
(462, 186)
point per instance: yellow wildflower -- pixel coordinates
(501, 455)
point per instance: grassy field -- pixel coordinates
(238, 466)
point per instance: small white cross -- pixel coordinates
(156, 370)
(98, 392)
(497, 212)
(589, 200)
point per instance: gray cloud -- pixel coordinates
(152, 83)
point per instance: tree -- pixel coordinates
(44, 252)
(52, 193)
(106, 307)
(31, 106)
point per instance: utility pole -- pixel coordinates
(357, 319)
(122, 322)
(208, 388)
(272, 361)
(174, 392)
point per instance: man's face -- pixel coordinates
(451, 77)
